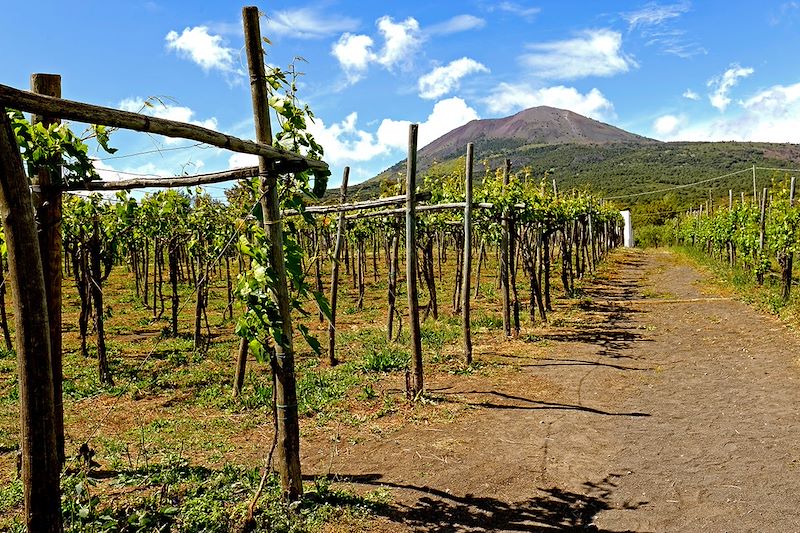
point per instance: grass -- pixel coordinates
(739, 282)
(178, 451)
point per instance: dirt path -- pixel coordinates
(665, 410)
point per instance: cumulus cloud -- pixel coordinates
(445, 79)
(667, 124)
(770, 115)
(401, 40)
(721, 85)
(203, 48)
(591, 53)
(456, 24)
(690, 95)
(167, 111)
(447, 115)
(242, 160)
(507, 98)
(346, 142)
(355, 52)
(308, 23)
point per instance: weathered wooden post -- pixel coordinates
(504, 256)
(40, 462)
(288, 437)
(47, 202)
(337, 251)
(467, 262)
(762, 231)
(415, 385)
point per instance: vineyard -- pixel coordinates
(192, 272)
(462, 343)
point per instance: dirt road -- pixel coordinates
(661, 409)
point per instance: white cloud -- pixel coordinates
(242, 160)
(445, 79)
(654, 14)
(167, 111)
(345, 142)
(507, 98)
(446, 115)
(400, 42)
(203, 48)
(308, 23)
(517, 9)
(667, 124)
(591, 53)
(721, 85)
(456, 24)
(354, 53)
(770, 115)
(690, 95)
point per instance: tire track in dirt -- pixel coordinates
(665, 411)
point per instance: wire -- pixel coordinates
(204, 146)
(685, 185)
(779, 169)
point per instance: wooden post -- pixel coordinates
(755, 193)
(467, 262)
(791, 192)
(337, 252)
(40, 464)
(415, 385)
(504, 256)
(47, 202)
(730, 199)
(762, 220)
(288, 438)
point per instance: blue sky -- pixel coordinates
(711, 70)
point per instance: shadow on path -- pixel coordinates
(553, 509)
(533, 404)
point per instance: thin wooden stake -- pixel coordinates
(40, 464)
(504, 256)
(47, 202)
(288, 430)
(337, 252)
(467, 261)
(415, 386)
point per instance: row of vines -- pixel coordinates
(759, 237)
(170, 240)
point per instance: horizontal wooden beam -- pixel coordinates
(92, 114)
(354, 206)
(162, 183)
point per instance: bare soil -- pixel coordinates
(658, 408)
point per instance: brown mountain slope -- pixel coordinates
(537, 125)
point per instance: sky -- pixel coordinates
(687, 70)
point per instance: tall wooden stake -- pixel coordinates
(467, 262)
(416, 385)
(504, 257)
(47, 202)
(40, 464)
(337, 251)
(288, 438)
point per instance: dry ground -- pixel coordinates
(662, 409)
(647, 405)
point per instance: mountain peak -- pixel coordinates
(536, 125)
